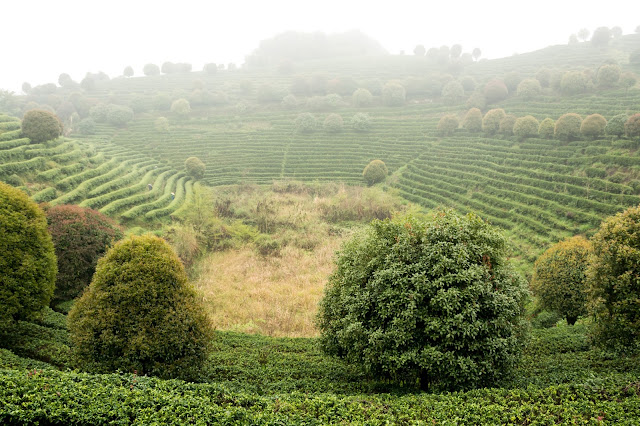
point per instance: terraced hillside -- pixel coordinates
(107, 177)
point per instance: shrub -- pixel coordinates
(529, 88)
(393, 94)
(473, 120)
(128, 71)
(608, 75)
(601, 37)
(525, 127)
(559, 279)
(290, 101)
(506, 125)
(80, 236)
(468, 83)
(361, 98)
(495, 91)
(434, 301)
(452, 92)
(361, 122)
(87, 126)
(544, 77)
(376, 171)
(27, 259)
(573, 82)
(41, 126)
(305, 123)
(593, 126)
(119, 115)
(476, 100)
(628, 80)
(181, 107)
(568, 127)
(151, 69)
(194, 167)
(140, 314)
(546, 128)
(512, 80)
(492, 119)
(615, 126)
(333, 123)
(448, 124)
(613, 283)
(632, 126)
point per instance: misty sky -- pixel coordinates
(43, 38)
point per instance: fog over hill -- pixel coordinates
(76, 37)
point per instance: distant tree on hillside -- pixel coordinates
(181, 107)
(161, 125)
(194, 167)
(601, 37)
(432, 54)
(453, 92)
(333, 123)
(448, 124)
(64, 80)
(507, 124)
(210, 68)
(119, 115)
(529, 88)
(544, 77)
(361, 98)
(26, 88)
(476, 53)
(583, 34)
(41, 126)
(615, 126)
(593, 126)
(628, 80)
(376, 171)
(573, 83)
(128, 71)
(393, 94)
(632, 126)
(419, 50)
(608, 75)
(573, 39)
(495, 91)
(568, 127)
(472, 121)
(616, 32)
(525, 127)
(456, 51)
(468, 83)
(305, 123)
(361, 122)
(476, 100)
(492, 119)
(151, 69)
(546, 128)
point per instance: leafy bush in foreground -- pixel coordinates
(41, 126)
(194, 167)
(434, 302)
(376, 171)
(139, 313)
(27, 258)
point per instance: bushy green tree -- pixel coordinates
(195, 167)
(529, 88)
(140, 314)
(628, 80)
(472, 121)
(80, 237)
(181, 107)
(468, 83)
(119, 115)
(376, 171)
(41, 126)
(544, 77)
(393, 94)
(87, 126)
(559, 278)
(333, 123)
(151, 69)
(27, 258)
(161, 124)
(361, 122)
(476, 100)
(615, 126)
(492, 119)
(452, 92)
(434, 301)
(361, 98)
(128, 71)
(593, 126)
(546, 128)
(601, 37)
(608, 75)
(632, 126)
(448, 124)
(512, 79)
(419, 50)
(525, 127)
(568, 127)
(495, 91)
(305, 123)
(573, 82)
(506, 125)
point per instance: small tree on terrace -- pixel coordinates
(568, 127)
(448, 124)
(195, 167)
(546, 128)
(616, 32)
(476, 53)
(361, 98)
(583, 34)
(472, 121)
(181, 107)
(376, 171)
(512, 79)
(615, 126)
(573, 82)
(128, 71)
(507, 124)
(305, 123)
(492, 119)
(632, 126)
(333, 123)
(628, 80)
(559, 278)
(495, 91)
(593, 126)
(453, 92)
(419, 50)
(529, 88)
(544, 77)
(393, 94)
(601, 37)
(41, 126)
(151, 69)
(430, 301)
(361, 122)
(608, 75)
(525, 127)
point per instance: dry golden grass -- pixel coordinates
(275, 296)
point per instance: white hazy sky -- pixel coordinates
(43, 38)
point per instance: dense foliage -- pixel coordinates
(632, 126)
(525, 127)
(568, 127)
(195, 167)
(376, 171)
(140, 314)
(473, 120)
(434, 301)
(80, 237)
(27, 258)
(305, 123)
(492, 119)
(448, 124)
(546, 128)
(41, 126)
(559, 278)
(593, 126)
(614, 288)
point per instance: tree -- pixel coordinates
(128, 71)
(608, 75)
(41, 126)
(161, 124)
(361, 98)
(507, 124)
(559, 278)
(151, 69)
(529, 88)
(194, 167)
(140, 314)
(632, 126)
(305, 123)
(361, 122)
(613, 285)
(333, 123)
(376, 171)
(544, 77)
(419, 50)
(476, 53)
(615, 126)
(181, 107)
(468, 83)
(573, 39)
(452, 92)
(525, 127)
(472, 121)
(601, 37)
(511, 80)
(27, 258)
(573, 82)
(64, 80)
(616, 32)
(492, 119)
(593, 126)
(433, 301)
(456, 51)
(80, 236)
(393, 94)
(476, 100)
(448, 124)
(583, 34)
(568, 127)
(495, 91)
(210, 68)
(26, 88)
(546, 128)
(119, 115)
(628, 80)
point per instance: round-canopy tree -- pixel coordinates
(559, 278)
(27, 258)
(546, 128)
(632, 126)
(593, 126)
(453, 92)
(573, 82)
(181, 107)
(151, 69)
(495, 91)
(430, 300)
(305, 123)
(41, 126)
(608, 75)
(507, 124)
(393, 94)
(615, 126)
(194, 167)
(492, 119)
(376, 171)
(80, 236)
(139, 313)
(568, 127)
(361, 97)
(529, 88)
(473, 120)
(333, 123)
(448, 124)
(525, 127)
(361, 122)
